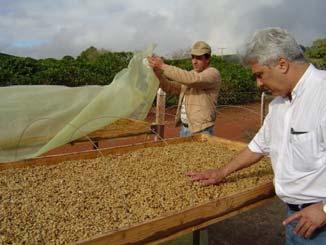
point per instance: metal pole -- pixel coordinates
(160, 113)
(222, 52)
(262, 108)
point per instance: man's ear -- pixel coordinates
(283, 65)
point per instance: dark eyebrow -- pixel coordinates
(197, 57)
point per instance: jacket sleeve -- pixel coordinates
(209, 78)
(169, 86)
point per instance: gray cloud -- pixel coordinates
(66, 27)
(304, 20)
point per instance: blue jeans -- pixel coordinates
(317, 238)
(184, 132)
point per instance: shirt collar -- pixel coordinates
(301, 84)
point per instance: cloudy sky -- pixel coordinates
(54, 28)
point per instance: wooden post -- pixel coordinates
(160, 113)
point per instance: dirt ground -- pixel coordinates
(261, 225)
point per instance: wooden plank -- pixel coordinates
(232, 145)
(213, 221)
(189, 219)
(121, 128)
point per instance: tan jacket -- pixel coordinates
(200, 91)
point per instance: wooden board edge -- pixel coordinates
(213, 139)
(100, 138)
(185, 220)
(214, 221)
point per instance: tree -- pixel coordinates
(317, 53)
(68, 58)
(90, 54)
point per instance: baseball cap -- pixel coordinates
(200, 48)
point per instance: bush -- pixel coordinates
(98, 67)
(316, 54)
(92, 67)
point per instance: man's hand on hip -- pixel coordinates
(309, 219)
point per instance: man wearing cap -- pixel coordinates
(197, 89)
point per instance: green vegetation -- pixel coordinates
(317, 53)
(92, 67)
(98, 67)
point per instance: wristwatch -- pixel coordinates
(324, 206)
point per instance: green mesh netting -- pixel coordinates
(36, 119)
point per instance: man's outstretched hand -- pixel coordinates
(207, 177)
(155, 62)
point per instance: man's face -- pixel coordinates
(271, 79)
(199, 63)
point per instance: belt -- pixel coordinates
(298, 207)
(186, 125)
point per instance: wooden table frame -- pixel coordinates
(106, 133)
(174, 224)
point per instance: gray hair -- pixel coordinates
(268, 45)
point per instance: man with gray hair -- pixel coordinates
(197, 89)
(293, 134)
